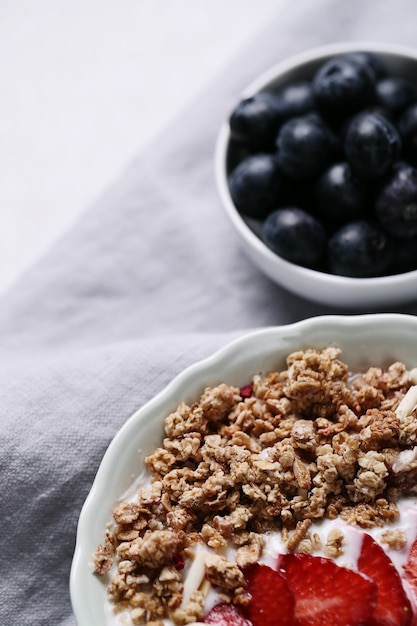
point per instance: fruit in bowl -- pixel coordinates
(341, 135)
(286, 462)
(326, 143)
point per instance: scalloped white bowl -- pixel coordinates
(313, 285)
(364, 339)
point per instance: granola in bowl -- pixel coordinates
(306, 459)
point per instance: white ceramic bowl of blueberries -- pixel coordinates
(317, 169)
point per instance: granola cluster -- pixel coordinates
(295, 446)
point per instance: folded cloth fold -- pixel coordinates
(150, 280)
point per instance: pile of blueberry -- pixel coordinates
(329, 168)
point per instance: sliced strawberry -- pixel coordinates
(410, 569)
(246, 391)
(326, 594)
(411, 566)
(410, 585)
(393, 607)
(225, 615)
(272, 602)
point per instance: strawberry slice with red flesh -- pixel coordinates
(410, 584)
(410, 567)
(271, 603)
(393, 608)
(225, 615)
(325, 593)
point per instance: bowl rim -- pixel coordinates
(343, 325)
(361, 285)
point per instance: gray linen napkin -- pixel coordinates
(150, 280)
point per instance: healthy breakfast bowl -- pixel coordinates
(318, 205)
(277, 462)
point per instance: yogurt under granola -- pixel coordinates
(302, 460)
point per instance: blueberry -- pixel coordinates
(373, 109)
(255, 121)
(396, 204)
(394, 94)
(407, 125)
(372, 145)
(304, 146)
(295, 99)
(371, 60)
(377, 109)
(295, 236)
(340, 196)
(255, 185)
(360, 250)
(342, 86)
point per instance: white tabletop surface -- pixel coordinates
(84, 87)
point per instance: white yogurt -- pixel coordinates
(274, 546)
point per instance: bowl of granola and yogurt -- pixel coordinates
(278, 476)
